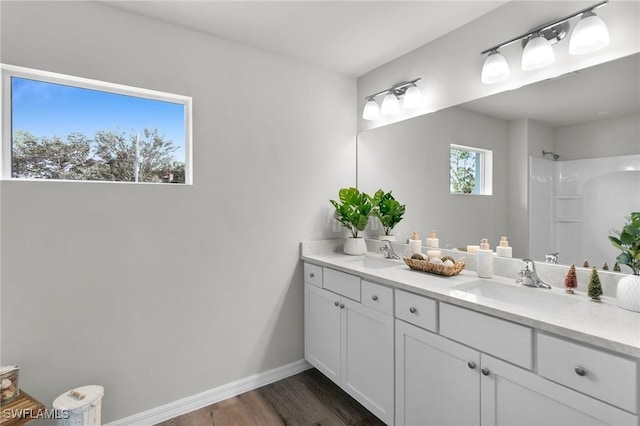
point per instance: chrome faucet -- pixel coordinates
(551, 257)
(387, 250)
(529, 276)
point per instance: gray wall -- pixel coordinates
(602, 138)
(411, 159)
(161, 292)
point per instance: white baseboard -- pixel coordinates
(194, 402)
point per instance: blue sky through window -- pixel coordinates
(49, 109)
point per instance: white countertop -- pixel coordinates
(603, 324)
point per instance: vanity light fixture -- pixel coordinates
(589, 34)
(408, 91)
(495, 68)
(538, 53)
(371, 110)
(390, 104)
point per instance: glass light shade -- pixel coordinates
(538, 53)
(589, 35)
(371, 110)
(495, 68)
(390, 104)
(412, 98)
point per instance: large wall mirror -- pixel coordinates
(565, 165)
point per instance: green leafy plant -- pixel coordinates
(353, 209)
(628, 241)
(387, 209)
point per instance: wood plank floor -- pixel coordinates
(308, 398)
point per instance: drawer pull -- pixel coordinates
(312, 275)
(485, 371)
(472, 365)
(336, 303)
(342, 306)
(412, 309)
(374, 297)
(580, 371)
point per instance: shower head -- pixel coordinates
(555, 156)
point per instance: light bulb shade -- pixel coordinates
(412, 98)
(589, 35)
(371, 110)
(538, 53)
(495, 68)
(390, 104)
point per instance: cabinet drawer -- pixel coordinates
(313, 274)
(506, 340)
(342, 283)
(608, 377)
(378, 297)
(417, 310)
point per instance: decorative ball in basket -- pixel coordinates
(446, 265)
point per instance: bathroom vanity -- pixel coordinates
(422, 349)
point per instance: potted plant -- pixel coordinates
(352, 211)
(389, 211)
(628, 241)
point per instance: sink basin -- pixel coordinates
(374, 262)
(526, 297)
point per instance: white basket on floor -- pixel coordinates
(80, 406)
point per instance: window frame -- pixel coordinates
(485, 172)
(9, 71)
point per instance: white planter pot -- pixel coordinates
(387, 237)
(355, 246)
(628, 293)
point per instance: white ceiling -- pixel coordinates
(350, 37)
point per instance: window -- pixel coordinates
(470, 170)
(68, 128)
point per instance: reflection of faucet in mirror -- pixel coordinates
(529, 276)
(551, 257)
(387, 250)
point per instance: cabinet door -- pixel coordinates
(367, 358)
(437, 380)
(322, 330)
(513, 396)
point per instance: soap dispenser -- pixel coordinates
(485, 260)
(415, 244)
(503, 250)
(433, 241)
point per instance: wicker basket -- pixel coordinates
(436, 268)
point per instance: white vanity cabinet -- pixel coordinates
(349, 341)
(417, 360)
(451, 378)
(513, 396)
(437, 380)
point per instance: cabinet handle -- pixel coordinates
(472, 365)
(412, 309)
(580, 371)
(374, 297)
(336, 303)
(342, 306)
(485, 371)
(312, 275)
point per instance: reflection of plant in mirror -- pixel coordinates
(387, 209)
(628, 241)
(353, 210)
(463, 169)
